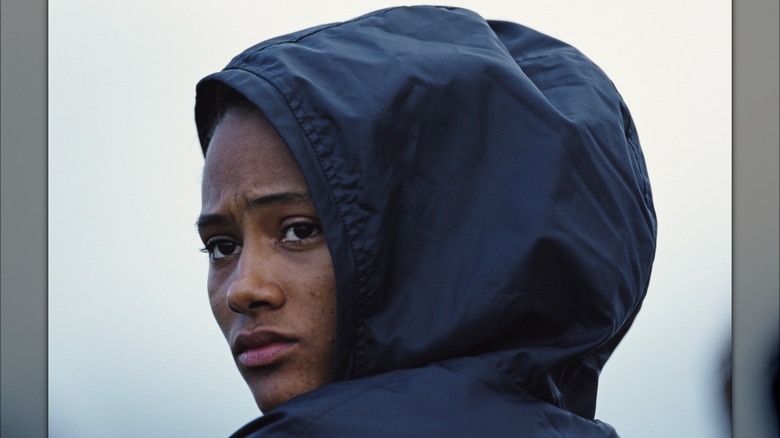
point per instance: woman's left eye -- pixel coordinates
(300, 231)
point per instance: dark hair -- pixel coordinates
(218, 101)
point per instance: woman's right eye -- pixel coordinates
(222, 248)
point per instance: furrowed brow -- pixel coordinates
(208, 220)
(280, 198)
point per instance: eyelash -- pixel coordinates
(314, 229)
(212, 244)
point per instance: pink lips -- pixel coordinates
(264, 355)
(260, 347)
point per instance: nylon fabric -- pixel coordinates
(487, 207)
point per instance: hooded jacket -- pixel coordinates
(487, 208)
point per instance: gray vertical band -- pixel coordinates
(756, 243)
(23, 181)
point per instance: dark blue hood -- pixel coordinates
(483, 195)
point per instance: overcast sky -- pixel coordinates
(133, 347)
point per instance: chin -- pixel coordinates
(265, 405)
(268, 394)
(267, 401)
(271, 391)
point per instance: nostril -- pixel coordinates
(232, 307)
(244, 298)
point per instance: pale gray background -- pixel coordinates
(133, 348)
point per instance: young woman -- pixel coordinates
(421, 223)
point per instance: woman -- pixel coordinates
(422, 223)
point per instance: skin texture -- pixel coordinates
(271, 284)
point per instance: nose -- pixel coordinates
(255, 286)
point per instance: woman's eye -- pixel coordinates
(301, 231)
(222, 248)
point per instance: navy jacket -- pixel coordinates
(486, 204)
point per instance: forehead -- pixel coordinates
(247, 155)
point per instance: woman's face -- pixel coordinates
(271, 283)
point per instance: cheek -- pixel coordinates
(311, 274)
(218, 301)
(323, 297)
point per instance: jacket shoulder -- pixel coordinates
(460, 398)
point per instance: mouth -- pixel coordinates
(260, 348)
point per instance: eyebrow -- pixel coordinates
(206, 220)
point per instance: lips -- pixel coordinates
(260, 347)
